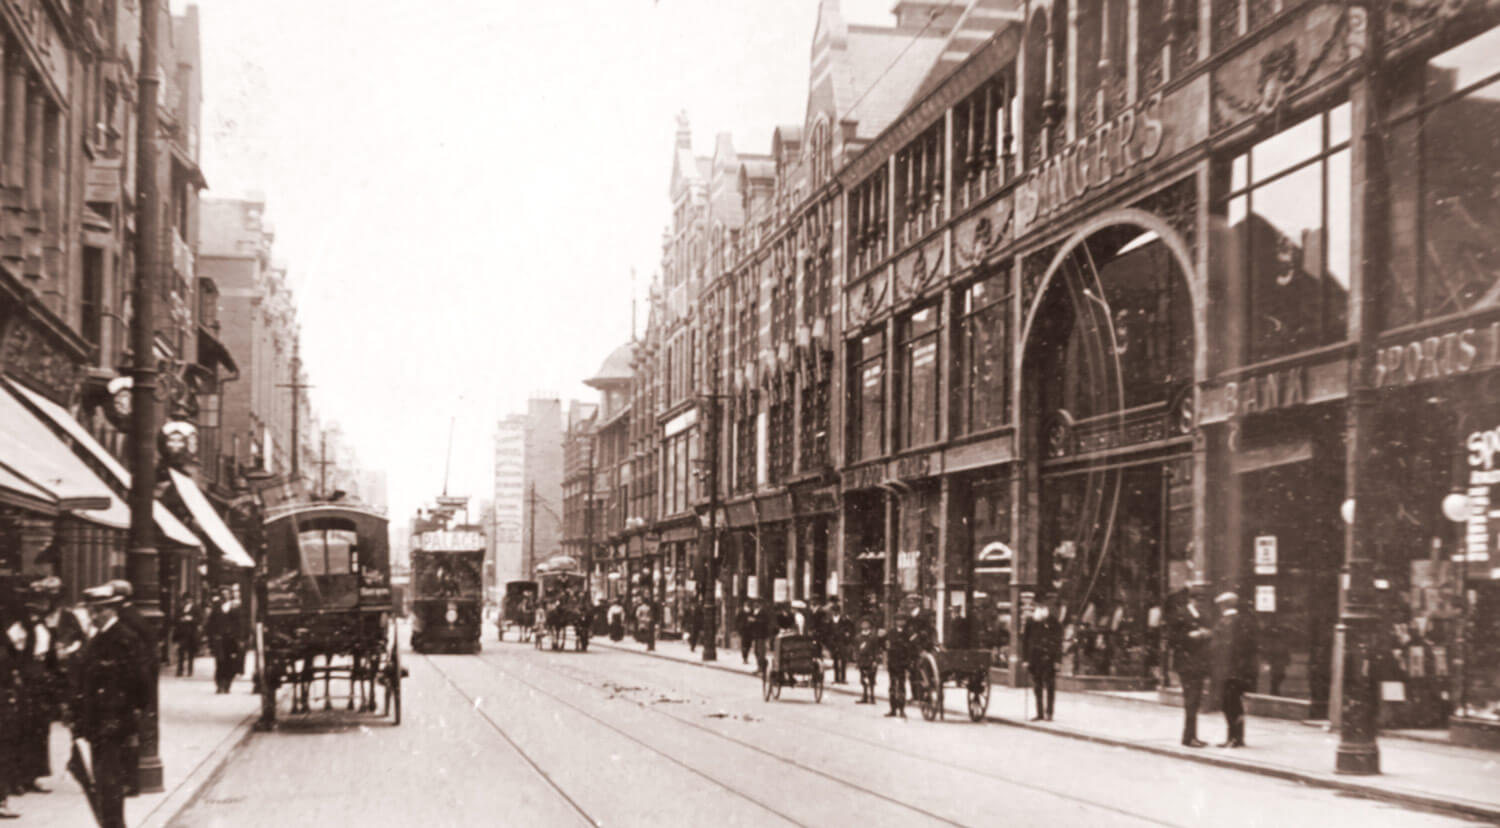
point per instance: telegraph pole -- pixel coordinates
(710, 602)
(531, 531)
(588, 527)
(143, 564)
(297, 386)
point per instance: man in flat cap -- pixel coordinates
(1234, 660)
(112, 694)
(147, 662)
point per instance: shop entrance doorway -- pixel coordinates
(1106, 399)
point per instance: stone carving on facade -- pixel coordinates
(866, 301)
(1405, 17)
(919, 270)
(26, 352)
(1258, 83)
(1177, 205)
(983, 236)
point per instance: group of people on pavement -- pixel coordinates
(1201, 648)
(90, 667)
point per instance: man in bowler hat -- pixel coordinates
(1234, 659)
(112, 695)
(1190, 638)
(147, 662)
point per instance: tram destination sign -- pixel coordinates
(450, 541)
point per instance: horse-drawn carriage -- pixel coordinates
(795, 661)
(562, 606)
(967, 669)
(326, 596)
(517, 609)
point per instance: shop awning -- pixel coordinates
(211, 351)
(209, 521)
(16, 490)
(171, 528)
(40, 464)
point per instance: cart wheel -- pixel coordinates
(932, 688)
(765, 685)
(979, 696)
(817, 683)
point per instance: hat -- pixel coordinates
(1227, 598)
(50, 585)
(122, 588)
(799, 604)
(103, 595)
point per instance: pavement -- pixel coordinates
(520, 736)
(199, 730)
(1415, 773)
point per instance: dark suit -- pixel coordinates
(900, 651)
(840, 634)
(1234, 660)
(112, 694)
(1041, 646)
(1189, 637)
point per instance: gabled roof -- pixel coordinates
(978, 23)
(873, 71)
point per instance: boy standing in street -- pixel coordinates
(900, 651)
(867, 657)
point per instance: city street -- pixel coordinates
(518, 736)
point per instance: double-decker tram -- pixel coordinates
(447, 594)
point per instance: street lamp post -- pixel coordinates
(1359, 611)
(143, 563)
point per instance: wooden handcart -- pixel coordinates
(795, 661)
(968, 669)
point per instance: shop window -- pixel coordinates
(993, 561)
(1445, 186)
(867, 397)
(983, 355)
(919, 377)
(1288, 211)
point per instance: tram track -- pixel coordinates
(583, 814)
(868, 743)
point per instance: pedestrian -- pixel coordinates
(112, 697)
(224, 640)
(742, 629)
(1041, 647)
(867, 655)
(763, 627)
(1234, 660)
(185, 634)
(899, 654)
(37, 698)
(148, 656)
(1190, 636)
(616, 618)
(12, 642)
(799, 620)
(693, 620)
(645, 625)
(840, 632)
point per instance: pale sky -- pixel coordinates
(460, 188)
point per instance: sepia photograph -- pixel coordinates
(1068, 412)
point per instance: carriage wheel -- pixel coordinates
(931, 689)
(268, 681)
(817, 683)
(765, 685)
(979, 696)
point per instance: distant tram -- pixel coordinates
(447, 593)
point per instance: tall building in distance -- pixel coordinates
(542, 504)
(506, 511)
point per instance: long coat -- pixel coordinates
(112, 690)
(1235, 647)
(1041, 643)
(1189, 652)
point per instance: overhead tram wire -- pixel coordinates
(932, 17)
